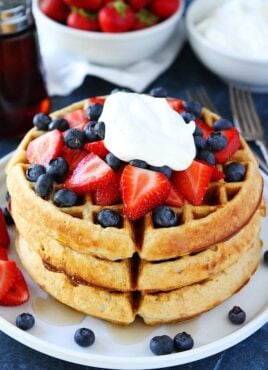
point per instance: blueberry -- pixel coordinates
(222, 124)
(109, 218)
(138, 163)
(90, 133)
(7, 197)
(234, 172)
(200, 142)
(167, 171)
(206, 156)
(74, 138)
(217, 141)
(159, 92)
(193, 107)
(44, 186)
(236, 315)
(8, 218)
(164, 216)
(265, 258)
(99, 130)
(58, 169)
(161, 345)
(121, 89)
(94, 111)
(114, 162)
(34, 171)
(59, 124)
(84, 337)
(183, 342)
(25, 321)
(41, 121)
(198, 131)
(65, 198)
(188, 117)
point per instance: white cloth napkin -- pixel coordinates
(66, 72)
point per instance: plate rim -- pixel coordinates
(141, 362)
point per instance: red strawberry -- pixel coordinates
(7, 276)
(164, 8)
(96, 100)
(138, 4)
(97, 147)
(72, 156)
(18, 293)
(3, 254)
(176, 104)
(55, 9)
(91, 5)
(233, 144)
(174, 199)
(92, 173)
(83, 20)
(116, 16)
(4, 236)
(145, 19)
(193, 182)
(217, 174)
(207, 130)
(44, 148)
(76, 119)
(142, 190)
(110, 194)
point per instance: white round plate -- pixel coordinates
(128, 347)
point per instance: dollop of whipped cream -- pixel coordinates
(143, 127)
(238, 26)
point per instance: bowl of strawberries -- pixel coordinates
(108, 32)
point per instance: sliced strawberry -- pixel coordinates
(176, 104)
(44, 148)
(193, 182)
(7, 276)
(217, 174)
(3, 254)
(233, 144)
(76, 119)
(142, 190)
(72, 156)
(96, 100)
(174, 199)
(207, 130)
(4, 236)
(92, 173)
(109, 194)
(18, 293)
(97, 147)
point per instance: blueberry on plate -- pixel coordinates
(216, 141)
(90, 133)
(25, 321)
(60, 124)
(41, 121)
(84, 337)
(200, 142)
(222, 124)
(44, 186)
(188, 117)
(8, 218)
(265, 258)
(159, 92)
(65, 198)
(138, 163)
(109, 218)
(99, 130)
(114, 162)
(74, 138)
(206, 156)
(236, 315)
(7, 197)
(165, 170)
(234, 172)
(161, 345)
(94, 111)
(183, 342)
(34, 171)
(121, 89)
(164, 216)
(193, 107)
(58, 169)
(198, 131)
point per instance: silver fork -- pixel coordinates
(247, 121)
(200, 94)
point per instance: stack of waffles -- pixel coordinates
(160, 274)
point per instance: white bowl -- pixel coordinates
(240, 71)
(111, 49)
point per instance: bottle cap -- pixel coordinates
(15, 16)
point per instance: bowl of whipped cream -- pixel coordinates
(231, 39)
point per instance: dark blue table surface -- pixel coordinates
(186, 72)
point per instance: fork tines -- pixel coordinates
(199, 94)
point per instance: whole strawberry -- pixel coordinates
(116, 16)
(138, 4)
(145, 19)
(55, 9)
(164, 8)
(91, 5)
(83, 20)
